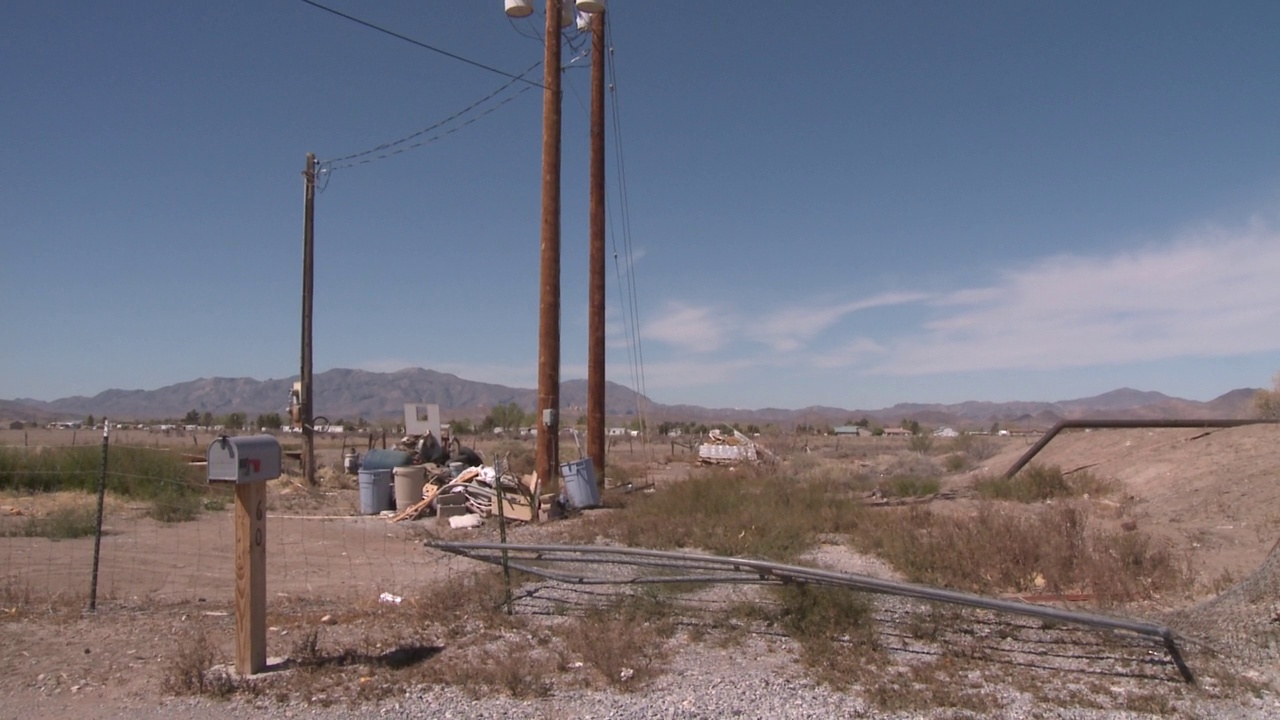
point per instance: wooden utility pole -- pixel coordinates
(308, 277)
(548, 420)
(595, 344)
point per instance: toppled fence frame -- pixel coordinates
(716, 569)
(1121, 424)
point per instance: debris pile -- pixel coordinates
(726, 449)
(475, 492)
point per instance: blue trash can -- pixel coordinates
(375, 491)
(580, 483)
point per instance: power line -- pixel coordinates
(631, 299)
(349, 160)
(419, 43)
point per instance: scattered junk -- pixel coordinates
(731, 449)
(429, 473)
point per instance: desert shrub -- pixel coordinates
(190, 671)
(913, 464)
(1051, 550)
(131, 472)
(909, 486)
(62, 523)
(759, 512)
(976, 447)
(1036, 483)
(833, 626)
(175, 506)
(920, 444)
(624, 643)
(956, 462)
(519, 456)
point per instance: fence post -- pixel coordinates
(97, 535)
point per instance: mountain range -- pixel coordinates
(343, 393)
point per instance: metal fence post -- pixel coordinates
(97, 535)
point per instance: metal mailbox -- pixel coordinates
(246, 459)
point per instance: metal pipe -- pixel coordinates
(1120, 424)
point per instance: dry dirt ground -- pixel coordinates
(1211, 493)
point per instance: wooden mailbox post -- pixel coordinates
(248, 462)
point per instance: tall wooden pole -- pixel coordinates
(595, 345)
(308, 276)
(546, 459)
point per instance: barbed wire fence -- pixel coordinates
(162, 535)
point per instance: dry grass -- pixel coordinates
(624, 643)
(743, 512)
(191, 670)
(1050, 550)
(75, 518)
(1037, 483)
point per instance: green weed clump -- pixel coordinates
(131, 472)
(1037, 483)
(908, 486)
(174, 488)
(63, 523)
(834, 628)
(743, 512)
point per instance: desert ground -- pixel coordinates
(1207, 498)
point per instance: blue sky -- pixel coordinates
(858, 205)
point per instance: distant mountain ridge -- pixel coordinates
(346, 393)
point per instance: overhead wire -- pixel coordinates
(353, 159)
(419, 43)
(631, 300)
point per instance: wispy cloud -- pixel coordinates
(790, 329)
(689, 328)
(1213, 293)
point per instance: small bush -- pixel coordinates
(956, 462)
(902, 486)
(976, 447)
(920, 444)
(835, 630)
(1052, 550)
(190, 671)
(752, 512)
(1037, 483)
(175, 507)
(624, 643)
(63, 523)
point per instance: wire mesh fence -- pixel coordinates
(165, 535)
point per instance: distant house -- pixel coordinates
(675, 432)
(945, 432)
(617, 432)
(854, 430)
(897, 432)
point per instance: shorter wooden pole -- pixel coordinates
(251, 578)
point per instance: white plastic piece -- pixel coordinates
(457, 522)
(519, 8)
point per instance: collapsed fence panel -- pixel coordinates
(716, 569)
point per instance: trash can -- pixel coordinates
(580, 483)
(409, 481)
(375, 491)
(351, 462)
